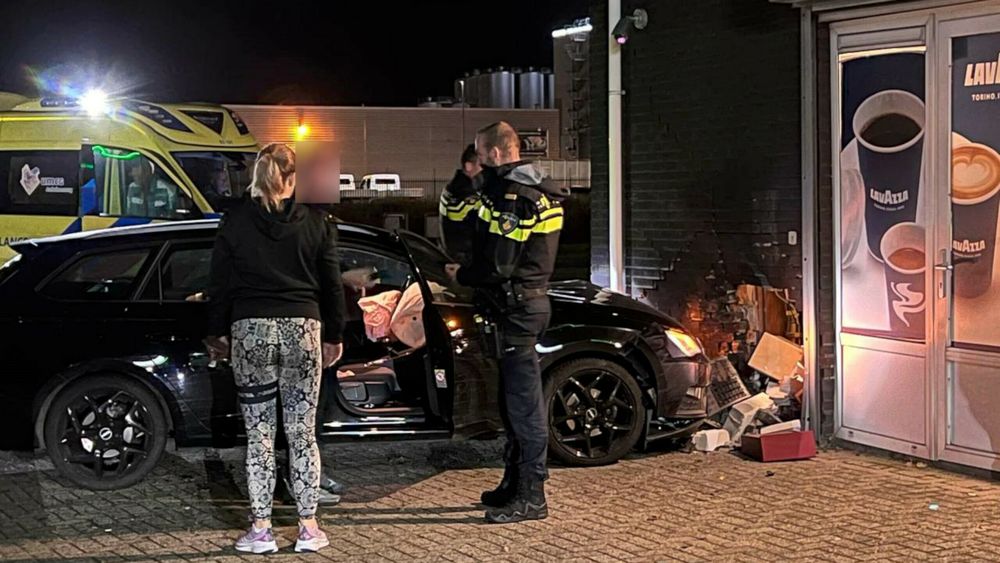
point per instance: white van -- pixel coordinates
(347, 182)
(381, 182)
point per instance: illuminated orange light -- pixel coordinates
(301, 132)
(452, 324)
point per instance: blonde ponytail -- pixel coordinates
(275, 163)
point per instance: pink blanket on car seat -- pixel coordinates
(378, 310)
(394, 314)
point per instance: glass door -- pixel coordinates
(880, 118)
(967, 272)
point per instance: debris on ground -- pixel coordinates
(743, 414)
(710, 440)
(769, 416)
(779, 446)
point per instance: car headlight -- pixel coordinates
(687, 344)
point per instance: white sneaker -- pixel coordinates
(310, 539)
(257, 541)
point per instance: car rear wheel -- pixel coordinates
(595, 412)
(105, 432)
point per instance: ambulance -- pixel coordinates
(70, 165)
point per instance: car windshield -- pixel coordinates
(218, 175)
(430, 260)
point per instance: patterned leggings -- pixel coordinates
(269, 355)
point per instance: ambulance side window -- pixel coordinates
(129, 184)
(39, 182)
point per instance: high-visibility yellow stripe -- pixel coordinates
(522, 233)
(457, 212)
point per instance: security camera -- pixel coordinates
(637, 20)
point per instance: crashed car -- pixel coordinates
(101, 338)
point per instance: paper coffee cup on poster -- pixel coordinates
(905, 259)
(889, 127)
(975, 202)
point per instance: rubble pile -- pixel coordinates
(765, 425)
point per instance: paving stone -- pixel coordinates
(416, 502)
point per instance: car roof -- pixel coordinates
(362, 233)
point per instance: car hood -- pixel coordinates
(602, 305)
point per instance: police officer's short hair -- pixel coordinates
(469, 155)
(500, 135)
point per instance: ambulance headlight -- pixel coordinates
(94, 102)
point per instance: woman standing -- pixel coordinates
(275, 292)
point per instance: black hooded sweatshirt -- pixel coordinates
(276, 264)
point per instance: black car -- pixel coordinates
(101, 341)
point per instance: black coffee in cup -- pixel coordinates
(890, 130)
(889, 127)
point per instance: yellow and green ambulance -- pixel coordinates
(68, 166)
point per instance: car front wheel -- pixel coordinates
(595, 412)
(105, 432)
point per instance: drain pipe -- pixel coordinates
(616, 226)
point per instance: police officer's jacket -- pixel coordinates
(517, 233)
(458, 209)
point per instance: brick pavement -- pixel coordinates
(413, 502)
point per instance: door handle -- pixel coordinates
(944, 266)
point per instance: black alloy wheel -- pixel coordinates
(595, 412)
(105, 432)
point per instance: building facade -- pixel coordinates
(422, 145)
(846, 150)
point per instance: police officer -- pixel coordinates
(517, 234)
(459, 206)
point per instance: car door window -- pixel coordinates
(131, 184)
(108, 276)
(377, 271)
(183, 275)
(39, 182)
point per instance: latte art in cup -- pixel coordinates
(975, 172)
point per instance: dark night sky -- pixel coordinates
(347, 53)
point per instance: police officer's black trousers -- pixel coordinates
(522, 404)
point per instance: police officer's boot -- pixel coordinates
(504, 491)
(527, 504)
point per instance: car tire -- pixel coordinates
(613, 416)
(115, 419)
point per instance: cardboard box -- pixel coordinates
(779, 446)
(776, 357)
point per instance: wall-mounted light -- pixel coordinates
(626, 24)
(580, 26)
(301, 132)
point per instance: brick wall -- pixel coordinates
(825, 318)
(711, 153)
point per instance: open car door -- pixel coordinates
(464, 376)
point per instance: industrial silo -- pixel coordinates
(484, 93)
(501, 88)
(472, 88)
(531, 89)
(550, 88)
